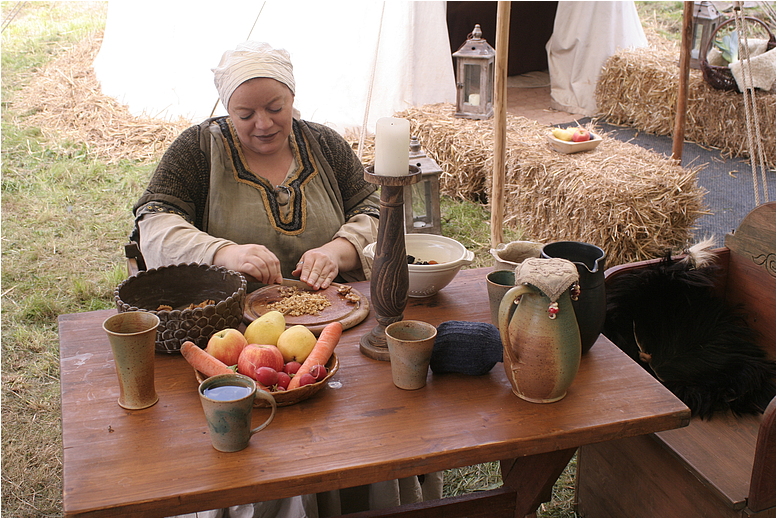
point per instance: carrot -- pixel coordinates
(202, 361)
(325, 346)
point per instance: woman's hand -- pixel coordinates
(254, 260)
(318, 267)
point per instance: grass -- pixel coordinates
(65, 218)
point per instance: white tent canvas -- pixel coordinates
(355, 61)
(157, 57)
(585, 34)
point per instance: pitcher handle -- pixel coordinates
(507, 309)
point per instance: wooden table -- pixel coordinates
(159, 461)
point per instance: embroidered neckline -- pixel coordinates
(294, 223)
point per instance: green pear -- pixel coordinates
(296, 343)
(266, 329)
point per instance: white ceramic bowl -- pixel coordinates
(427, 280)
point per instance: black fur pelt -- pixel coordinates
(668, 318)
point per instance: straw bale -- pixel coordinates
(65, 101)
(638, 88)
(632, 202)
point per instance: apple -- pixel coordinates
(266, 376)
(283, 381)
(226, 345)
(266, 328)
(255, 356)
(581, 135)
(296, 343)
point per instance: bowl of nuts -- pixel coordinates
(432, 262)
(192, 301)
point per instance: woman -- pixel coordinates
(260, 191)
(264, 193)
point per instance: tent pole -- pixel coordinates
(685, 70)
(500, 116)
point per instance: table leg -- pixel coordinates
(532, 478)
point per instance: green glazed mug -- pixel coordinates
(228, 401)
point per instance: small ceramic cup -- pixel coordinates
(410, 345)
(132, 336)
(227, 401)
(498, 283)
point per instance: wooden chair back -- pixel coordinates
(751, 272)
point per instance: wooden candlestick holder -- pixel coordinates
(389, 282)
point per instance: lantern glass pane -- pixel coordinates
(421, 202)
(697, 33)
(490, 80)
(471, 81)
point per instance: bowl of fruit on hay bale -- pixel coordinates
(290, 363)
(573, 140)
(432, 262)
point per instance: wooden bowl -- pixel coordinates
(574, 147)
(284, 398)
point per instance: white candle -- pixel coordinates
(392, 147)
(474, 99)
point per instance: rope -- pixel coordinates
(10, 17)
(757, 156)
(363, 132)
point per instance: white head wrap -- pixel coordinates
(250, 60)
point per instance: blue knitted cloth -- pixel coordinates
(466, 347)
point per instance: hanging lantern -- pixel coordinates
(422, 199)
(705, 20)
(474, 63)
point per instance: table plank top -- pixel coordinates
(159, 461)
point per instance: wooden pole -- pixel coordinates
(500, 121)
(682, 91)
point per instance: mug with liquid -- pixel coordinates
(228, 401)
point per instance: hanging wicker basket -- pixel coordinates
(720, 77)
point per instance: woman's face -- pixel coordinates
(261, 110)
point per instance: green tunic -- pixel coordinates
(203, 177)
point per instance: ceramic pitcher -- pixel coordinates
(539, 332)
(591, 303)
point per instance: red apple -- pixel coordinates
(258, 355)
(581, 135)
(226, 345)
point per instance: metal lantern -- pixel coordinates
(422, 200)
(474, 63)
(705, 20)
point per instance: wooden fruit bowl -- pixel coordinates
(574, 147)
(284, 398)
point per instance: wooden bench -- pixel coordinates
(722, 467)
